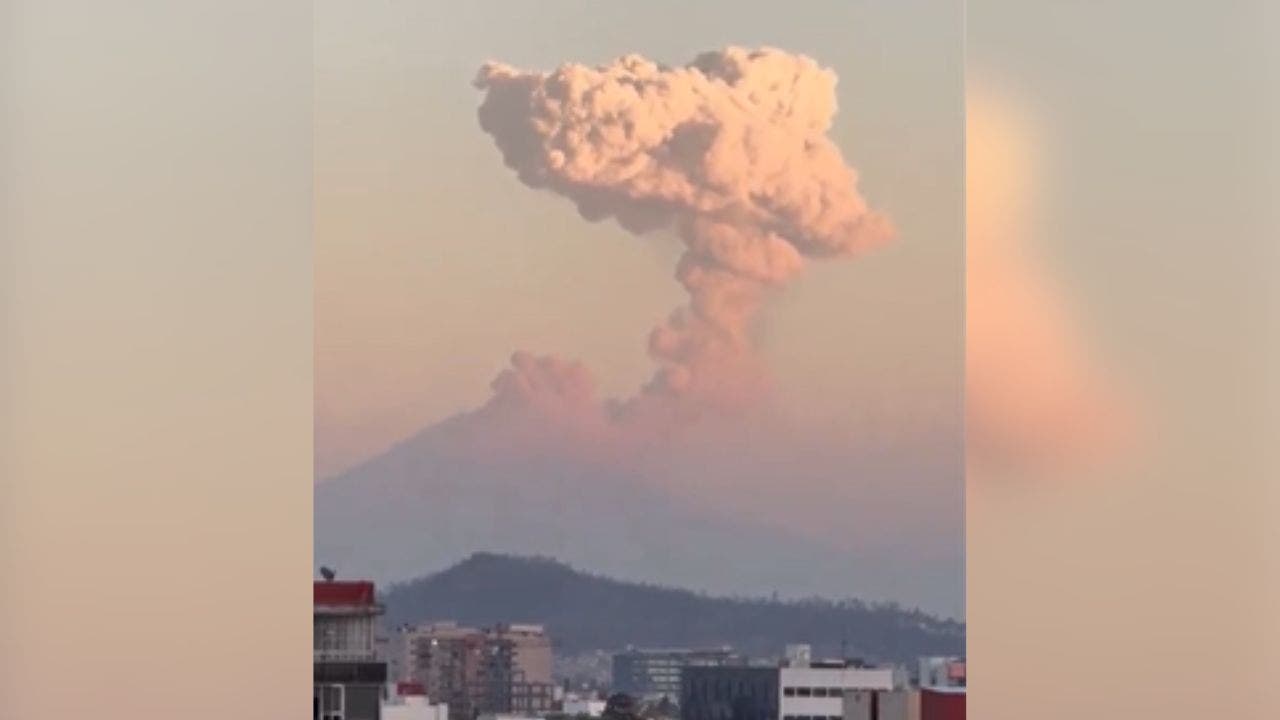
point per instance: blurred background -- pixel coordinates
(1122, 248)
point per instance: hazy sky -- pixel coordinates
(434, 263)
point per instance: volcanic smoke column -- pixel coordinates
(729, 151)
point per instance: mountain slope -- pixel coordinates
(585, 612)
(451, 490)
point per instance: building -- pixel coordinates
(938, 672)
(942, 703)
(348, 677)
(902, 704)
(409, 702)
(815, 690)
(446, 659)
(729, 692)
(655, 673)
(505, 669)
(577, 705)
(516, 670)
(905, 704)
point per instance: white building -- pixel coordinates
(882, 705)
(816, 690)
(574, 705)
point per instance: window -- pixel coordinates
(332, 705)
(789, 692)
(819, 692)
(804, 692)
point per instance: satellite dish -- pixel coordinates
(327, 574)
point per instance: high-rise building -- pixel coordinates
(447, 659)
(655, 673)
(505, 669)
(516, 672)
(348, 676)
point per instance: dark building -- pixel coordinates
(656, 673)
(729, 693)
(348, 678)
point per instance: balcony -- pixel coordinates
(349, 673)
(344, 655)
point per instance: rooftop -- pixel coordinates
(343, 594)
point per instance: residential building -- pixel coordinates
(516, 671)
(502, 670)
(654, 673)
(348, 676)
(447, 659)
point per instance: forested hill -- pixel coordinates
(586, 612)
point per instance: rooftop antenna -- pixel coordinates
(327, 573)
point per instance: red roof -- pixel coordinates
(410, 688)
(344, 593)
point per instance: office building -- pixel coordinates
(902, 704)
(905, 704)
(815, 690)
(655, 673)
(729, 693)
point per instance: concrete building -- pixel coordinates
(729, 693)
(655, 673)
(903, 704)
(815, 690)
(446, 659)
(906, 704)
(348, 676)
(516, 672)
(502, 670)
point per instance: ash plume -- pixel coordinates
(730, 152)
